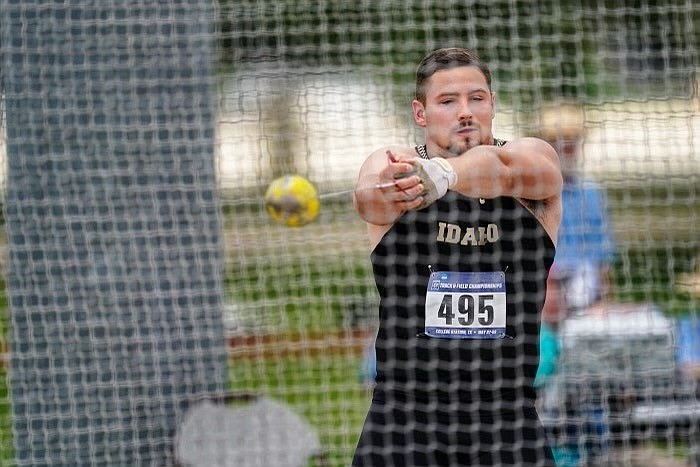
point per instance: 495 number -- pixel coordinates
(467, 310)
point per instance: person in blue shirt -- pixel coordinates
(585, 242)
(580, 275)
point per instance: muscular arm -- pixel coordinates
(526, 168)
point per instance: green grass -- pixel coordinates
(6, 449)
(658, 239)
(649, 275)
(303, 292)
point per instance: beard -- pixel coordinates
(462, 144)
(458, 147)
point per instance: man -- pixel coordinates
(462, 231)
(579, 277)
(585, 244)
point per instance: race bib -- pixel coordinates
(466, 305)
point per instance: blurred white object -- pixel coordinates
(263, 433)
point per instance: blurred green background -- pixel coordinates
(317, 279)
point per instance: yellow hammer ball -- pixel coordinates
(292, 200)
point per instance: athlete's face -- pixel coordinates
(458, 110)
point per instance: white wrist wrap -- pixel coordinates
(437, 177)
(449, 174)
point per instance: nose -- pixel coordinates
(464, 111)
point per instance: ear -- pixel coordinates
(493, 105)
(418, 113)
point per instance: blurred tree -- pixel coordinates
(282, 131)
(544, 49)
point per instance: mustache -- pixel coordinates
(464, 124)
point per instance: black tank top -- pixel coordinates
(484, 236)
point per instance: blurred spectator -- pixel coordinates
(585, 244)
(579, 277)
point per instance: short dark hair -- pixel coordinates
(444, 59)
